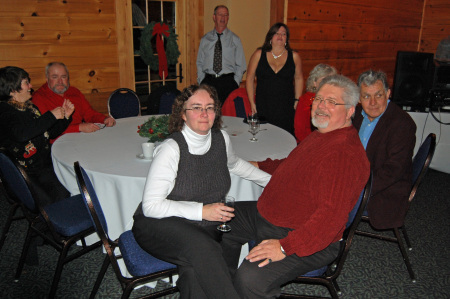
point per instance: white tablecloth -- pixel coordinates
(118, 176)
(426, 124)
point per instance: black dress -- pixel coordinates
(275, 93)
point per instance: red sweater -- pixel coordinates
(314, 189)
(47, 100)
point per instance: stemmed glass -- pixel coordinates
(229, 202)
(253, 128)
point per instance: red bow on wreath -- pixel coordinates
(159, 30)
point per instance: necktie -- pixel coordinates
(217, 66)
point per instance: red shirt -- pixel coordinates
(45, 99)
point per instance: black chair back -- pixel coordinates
(123, 102)
(13, 179)
(421, 162)
(92, 203)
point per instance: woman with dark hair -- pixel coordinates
(302, 119)
(25, 133)
(180, 210)
(278, 72)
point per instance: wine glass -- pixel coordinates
(229, 202)
(254, 129)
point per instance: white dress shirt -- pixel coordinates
(163, 172)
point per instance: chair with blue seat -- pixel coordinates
(420, 165)
(123, 102)
(327, 275)
(60, 224)
(141, 265)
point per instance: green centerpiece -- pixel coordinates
(156, 128)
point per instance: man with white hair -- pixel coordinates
(300, 217)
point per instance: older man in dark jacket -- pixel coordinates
(388, 135)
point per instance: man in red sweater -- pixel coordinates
(301, 215)
(52, 95)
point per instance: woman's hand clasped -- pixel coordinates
(217, 212)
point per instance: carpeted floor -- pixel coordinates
(374, 269)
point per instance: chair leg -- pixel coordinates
(23, 256)
(405, 255)
(58, 271)
(405, 235)
(100, 276)
(9, 220)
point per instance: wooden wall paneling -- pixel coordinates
(436, 24)
(82, 34)
(194, 33)
(53, 7)
(353, 36)
(277, 11)
(125, 39)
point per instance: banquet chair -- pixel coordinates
(12, 215)
(420, 164)
(143, 266)
(237, 104)
(60, 224)
(161, 99)
(123, 102)
(327, 276)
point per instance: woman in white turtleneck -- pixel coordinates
(181, 206)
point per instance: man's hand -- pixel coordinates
(109, 122)
(88, 127)
(217, 212)
(68, 107)
(268, 251)
(58, 112)
(254, 163)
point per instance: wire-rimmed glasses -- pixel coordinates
(329, 103)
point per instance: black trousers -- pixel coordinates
(195, 249)
(46, 185)
(224, 85)
(252, 281)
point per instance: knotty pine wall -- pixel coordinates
(355, 35)
(80, 33)
(352, 35)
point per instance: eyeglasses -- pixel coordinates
(199, 110)
(329, 103)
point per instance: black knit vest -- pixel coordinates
(202, 178)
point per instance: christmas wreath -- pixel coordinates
(155, 128)
(167, 56)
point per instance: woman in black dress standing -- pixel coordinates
(278, 72)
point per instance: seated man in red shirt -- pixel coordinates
(300, 217)
(52, 95)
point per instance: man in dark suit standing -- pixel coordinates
(388, 135)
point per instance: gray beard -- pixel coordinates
(317, 124)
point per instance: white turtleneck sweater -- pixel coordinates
(163, 172)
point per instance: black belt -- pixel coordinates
(215, 76)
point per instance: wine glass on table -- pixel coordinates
(253, 128)
(229, 202)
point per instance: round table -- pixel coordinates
(118, 176)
